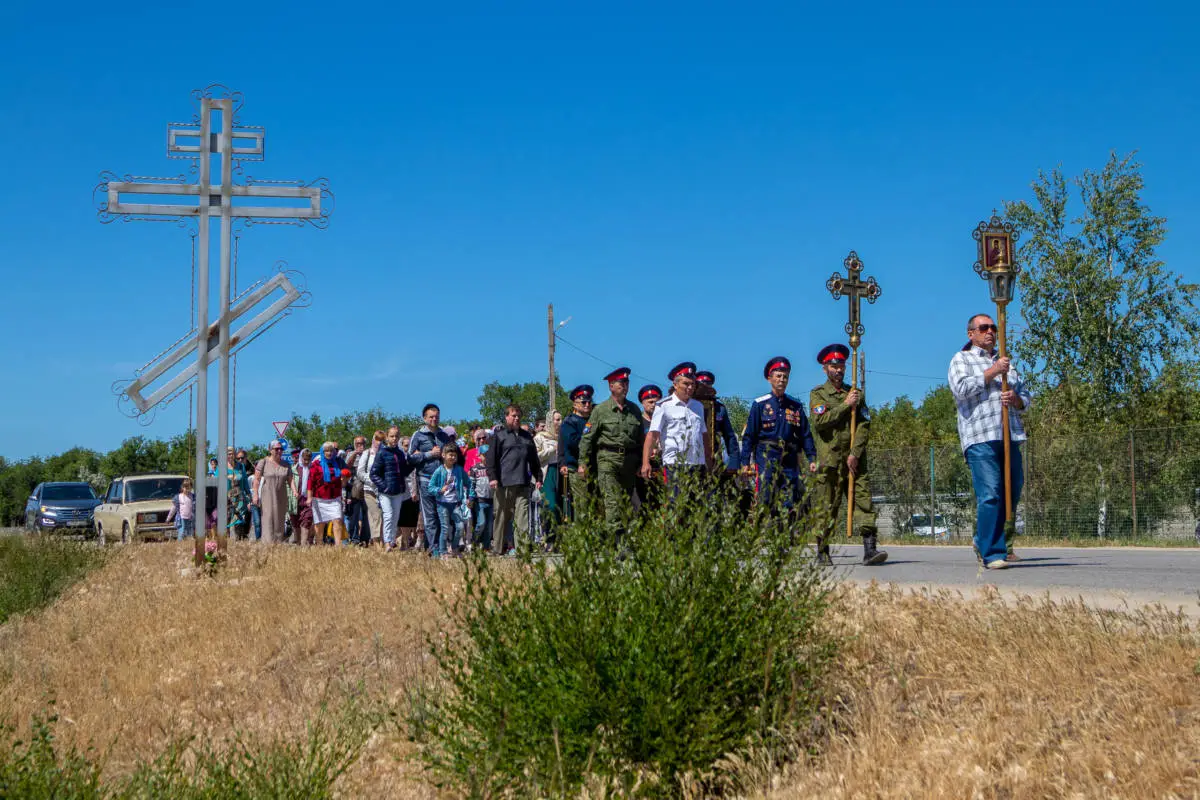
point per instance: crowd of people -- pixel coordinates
(506, 488)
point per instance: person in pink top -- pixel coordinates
(183, 511)
(472, 456)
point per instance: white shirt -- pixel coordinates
(362, 469)
(682, 429)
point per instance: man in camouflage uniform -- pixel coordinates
(831, 405)
(612, 447)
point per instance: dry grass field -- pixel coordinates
(936, 696)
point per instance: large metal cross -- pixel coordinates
(217, 145)
(855, 289)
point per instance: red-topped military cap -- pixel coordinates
(704, 376)
(833, 352)
(778, 362)
(618, 374)
(582, 392)
(649, 390)
(687, 369)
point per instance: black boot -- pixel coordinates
(872, 555)
(824, 559)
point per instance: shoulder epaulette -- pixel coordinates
(764, 398)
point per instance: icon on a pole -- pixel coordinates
(280, 427)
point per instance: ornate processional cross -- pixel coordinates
(217, 146)
(854, 288)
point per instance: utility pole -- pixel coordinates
(550, 331)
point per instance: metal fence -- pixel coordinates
(1139, 484)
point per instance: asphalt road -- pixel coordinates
(1107, 577)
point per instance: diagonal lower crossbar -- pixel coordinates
(290, 295)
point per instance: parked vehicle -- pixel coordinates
(136, 507)
(61, 505)
(918, 525)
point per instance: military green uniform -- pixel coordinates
(829, 418)
(611, 448)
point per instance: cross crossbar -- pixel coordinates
(311, 194)
(854, 289)
(252, 152)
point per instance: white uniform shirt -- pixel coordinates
(682, 429)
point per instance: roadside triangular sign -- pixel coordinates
(281, 427)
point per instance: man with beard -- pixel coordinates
(833, 404)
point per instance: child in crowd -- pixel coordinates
(183, 511)
(239, 513)
(482, 487)
(453, 492)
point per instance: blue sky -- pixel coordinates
(679, 179)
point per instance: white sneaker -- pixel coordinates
(999, 563)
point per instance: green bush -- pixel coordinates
(34, 570)
(34, 769)
(638, 667)
(188, 769)
(254, 767)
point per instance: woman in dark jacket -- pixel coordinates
(389, 473)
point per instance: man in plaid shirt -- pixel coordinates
(975, 373)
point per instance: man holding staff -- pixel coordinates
(842, 453)
(976, 376)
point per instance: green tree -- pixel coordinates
(312, 432)
(739, 412)
(137, 454)
(532, 397)
(1110, 331)
(17, 481)
(1102, 312)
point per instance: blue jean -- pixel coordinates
(256, 520)
(184, 528)
(358, 531)
(451, 527)
(429, 514)
(483, 522)
(986, 461)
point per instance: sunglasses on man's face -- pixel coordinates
(986, 328)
